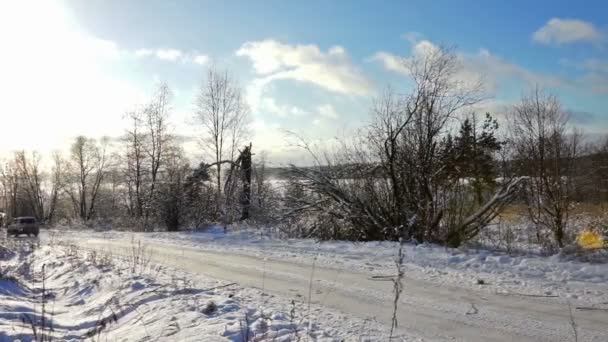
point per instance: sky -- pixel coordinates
(71, 68)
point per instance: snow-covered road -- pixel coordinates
(434, 310)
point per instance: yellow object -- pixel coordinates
(588, 239)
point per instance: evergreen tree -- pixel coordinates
(470, 154)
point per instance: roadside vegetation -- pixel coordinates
(427, 168)
(62, 292)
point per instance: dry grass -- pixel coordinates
(591, 209)
(516, 211)
(513, 212)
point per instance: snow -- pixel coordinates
(107, 297)
(533, 274)
(159, 300)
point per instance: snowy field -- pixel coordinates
(63, 293)
(248, 286)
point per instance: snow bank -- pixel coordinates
(71, 295)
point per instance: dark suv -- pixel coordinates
(23, 225)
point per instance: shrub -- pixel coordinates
(210, 308)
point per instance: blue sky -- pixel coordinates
(310, 66)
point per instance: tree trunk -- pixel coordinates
(246, 178)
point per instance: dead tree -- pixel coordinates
(199, 196)
(246, 168)
(470, 226)
(223, 114)
(242, 165)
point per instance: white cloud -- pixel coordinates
(596, 76)
(144, 52)
(331, 70)
(467, 75)
(559, 31)
(327, 111)
(481, 66)
(102, 48)
(269, 105)
(325, 114)
(595, 65)
(262, 103)
(494, 68)
(597, 82)
(172, 55)
(498, 108)
(269, 136)
(162, 54)
(412, 36)
(399, 64)
(254, 93)
(168, 54)
(201, 59)
(391, 62)
(337, 51)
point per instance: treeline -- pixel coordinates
(425, 168)
(143, 180)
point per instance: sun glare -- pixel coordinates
(52, 78)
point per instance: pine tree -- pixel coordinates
(470, 154)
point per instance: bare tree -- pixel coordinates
(29, 172)
(115, 180)
(11, 185)
(546, 149)
(57, 179)
(392, 183)
(88, 167)
(135, 168)
(155, 117)
(599, 170)
(147, 145)
(199, 196)
(223, 114)
(21, 180)
(264, 195)
(171, 198)
(438, 96)
(81, 153)
(28, 189)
